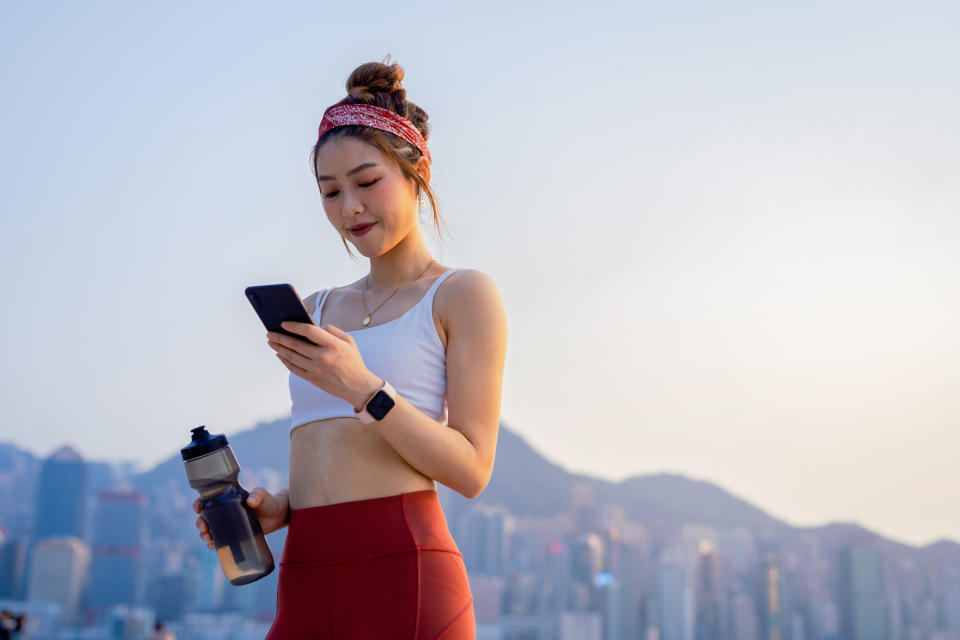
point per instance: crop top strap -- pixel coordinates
(321, 296)
(436, 283)
(431, 292)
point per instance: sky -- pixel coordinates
(727, 237)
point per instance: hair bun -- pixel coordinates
(379, 84)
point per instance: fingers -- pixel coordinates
(293, 349)
(300, 371)
(201, 524)
(256, 499)
(319, 337)
(338, 332)
(257, 496)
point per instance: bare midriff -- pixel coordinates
(344, 459)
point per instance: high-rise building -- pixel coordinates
(18, 477)
(210, 582)
(481, 539)
(609, 603)
(58, 573)
(674, 603)
(862, 614)
(583, 509)
(743, 617)
(556, 590)
(487, 593)
(710, 619)
(12, 564)
(772, 618)
(117, 549)
(61, 495)
(169, 594)
(587, 558)
(581, 625)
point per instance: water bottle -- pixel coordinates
(212, 470)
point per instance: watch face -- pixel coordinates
(380, 404)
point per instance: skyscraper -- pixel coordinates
(674, 602)
(587, 558)
(771, 601)
(117, 549)
(12, 563)
(481, 539)
(58, 571)
(861, 593)
(710, 620)
(61, 495)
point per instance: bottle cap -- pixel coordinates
(202, 443)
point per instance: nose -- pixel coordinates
(351, 202)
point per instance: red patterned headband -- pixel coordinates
(372, 116)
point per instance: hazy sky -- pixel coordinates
(728, 237)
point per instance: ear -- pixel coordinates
(423, 168)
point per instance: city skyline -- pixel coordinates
(128, 470)
(726, 238)
(581, 562)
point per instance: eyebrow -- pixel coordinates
(359, 167)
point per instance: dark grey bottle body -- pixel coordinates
(212, 469)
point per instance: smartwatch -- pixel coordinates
(379, 404)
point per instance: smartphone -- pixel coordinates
(276, 303)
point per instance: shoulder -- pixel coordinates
(467, 294)
(468, 285)
(310, 302)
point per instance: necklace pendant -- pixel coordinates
(366, 321)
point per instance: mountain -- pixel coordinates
(525, 483)
(941, 553)
(267, 444)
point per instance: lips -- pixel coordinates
(361, 229)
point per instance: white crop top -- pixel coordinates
(405, 351)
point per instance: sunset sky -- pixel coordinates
(728, 237)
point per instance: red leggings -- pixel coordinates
(379, 568)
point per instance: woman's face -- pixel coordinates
(360, 185)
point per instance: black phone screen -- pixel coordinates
(276, 303)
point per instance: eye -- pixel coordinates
(330, 194)
(369, 184)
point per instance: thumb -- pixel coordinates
(258, 497)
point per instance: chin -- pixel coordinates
(369, 252)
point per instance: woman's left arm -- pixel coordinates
(460, 455)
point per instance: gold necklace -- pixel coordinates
(363, 296)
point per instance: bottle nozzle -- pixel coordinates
(202, 443)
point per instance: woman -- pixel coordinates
(402, 390)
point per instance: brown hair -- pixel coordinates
(380, 84)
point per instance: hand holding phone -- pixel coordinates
(276, 303)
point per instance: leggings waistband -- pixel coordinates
(367, 528)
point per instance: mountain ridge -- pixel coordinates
(527, 483)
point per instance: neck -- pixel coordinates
(399, 266)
